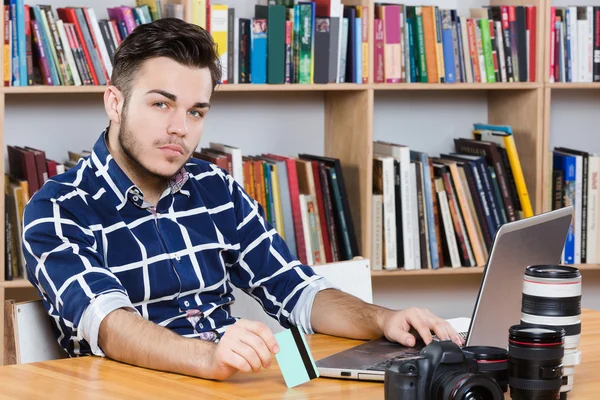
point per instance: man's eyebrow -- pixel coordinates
(173, 97)
(201, 105)
(168, 95)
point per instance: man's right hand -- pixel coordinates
(246, 346)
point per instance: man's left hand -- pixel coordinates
(396, 326)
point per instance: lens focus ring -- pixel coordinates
(551, 306)
(535, 384)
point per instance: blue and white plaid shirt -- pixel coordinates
(92, 245)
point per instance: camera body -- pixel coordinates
(441, 371)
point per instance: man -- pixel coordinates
(135, 249)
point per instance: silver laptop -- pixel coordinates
(536, 240)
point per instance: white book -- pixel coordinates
(589, 45)
(593, 199)
(237, 166)
(574, 53)
(466, 54)
(377, 232)
(581, 46)
(68, 52)
(98, 40)
(415, 216)
(390, 251)
(447, 225)
(500, 46)
(306, 229)
(402, 155)
(236, 51)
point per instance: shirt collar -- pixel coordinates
(116, 181)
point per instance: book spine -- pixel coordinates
(448, 47)
(515, 165)
(486, 44)
(420, 45)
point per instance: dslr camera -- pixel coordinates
(441, 371)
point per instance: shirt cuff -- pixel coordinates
(95, 313)
(300, 315)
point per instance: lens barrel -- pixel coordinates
(552, 298)
(457, 385)
(492, 362)
(535, 362)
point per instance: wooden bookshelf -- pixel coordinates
(583, 268)
(40, 89)
(16, 284)
(457, 86)
(349, 125)
(573, 85)
(429, 272)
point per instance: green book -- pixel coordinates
(486, 44)
(420, 45)
(275, 16)
(306, 40)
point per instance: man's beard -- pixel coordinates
(128, 144)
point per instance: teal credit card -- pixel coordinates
(294, 358)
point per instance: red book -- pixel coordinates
(378, 53)
(69, 15)
(321, 205)
(391, 48)
(531, 23)
(552, 41)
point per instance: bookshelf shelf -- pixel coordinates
(16, 284)
(52, 89)
(292, 87)
(40, 89)
(446, 271)
(574, 85)
(429, 272)
(457, 86)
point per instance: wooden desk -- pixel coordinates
(94, 378)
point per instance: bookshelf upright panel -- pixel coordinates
(349, 137)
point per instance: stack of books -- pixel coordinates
(574, 44)
(428, 44)
(444, 211)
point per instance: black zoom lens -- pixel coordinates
(466, 386)
(535, 367)
(492, 362)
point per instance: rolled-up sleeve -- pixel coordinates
(266, 269)
(65, 264)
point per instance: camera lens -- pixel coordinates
(535, 367)
(491, 362)
(552, 298)
(462, 386)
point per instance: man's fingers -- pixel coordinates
(259, 346)
(238, 362)
(263, 331)
(416, 320)
(404, 338)
(248, 354)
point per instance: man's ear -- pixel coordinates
(113, 103)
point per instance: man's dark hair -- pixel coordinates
(185, 43)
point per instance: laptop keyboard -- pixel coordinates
(383, 365)
(463, 336)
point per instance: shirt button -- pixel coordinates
(177, 257)
(186, 303)
(135, 198)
